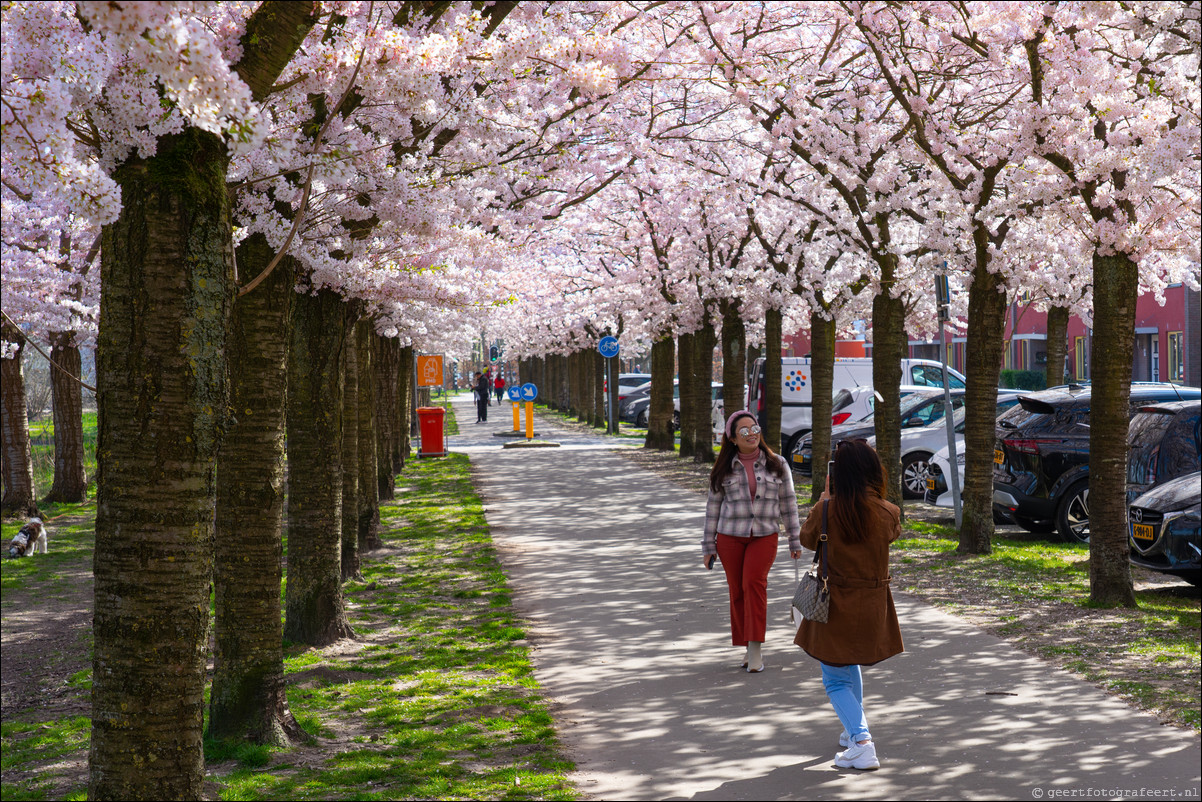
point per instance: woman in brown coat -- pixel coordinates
(862, 628)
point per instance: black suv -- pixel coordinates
(1041, 457)
(1164, 442)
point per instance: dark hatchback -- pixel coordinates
(1165, 528)
(1041, 457)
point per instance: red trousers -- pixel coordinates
(746, 562)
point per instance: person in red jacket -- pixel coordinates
(499, 386)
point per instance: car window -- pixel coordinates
(925, 375)
(930, 412)
(908, 403)
(842, 399)
(955, 382)
(1018, 416)
(1144, 436)
(1179, 448)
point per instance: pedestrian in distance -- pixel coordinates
(499, 386)
(862, 628)
(751, 493)
(481, 391)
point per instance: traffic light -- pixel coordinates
(493, 353)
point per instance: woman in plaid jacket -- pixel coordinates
(751, 492)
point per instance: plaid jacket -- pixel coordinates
(732, 511)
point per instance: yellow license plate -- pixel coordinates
(930, 483)
(999, 456)
(1143, 532)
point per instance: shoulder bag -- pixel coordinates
(813, 597)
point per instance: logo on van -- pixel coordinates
(795, 380)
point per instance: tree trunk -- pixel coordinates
(163, 394)
(983, 364)
(1057, 344)
(659, 409)
(1116, 288)
(314, 612)
(772, 378)
(350, 449)
(407, 411)
(247, 700)
(368, 527)
(888, 350)
(686, 352)
(19, 496)
(386, 358)
(822, 382)
(70, 480)
(703, 364)
(734, 355)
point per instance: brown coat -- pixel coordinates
(862, 628)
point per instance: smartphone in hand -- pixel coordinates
(710, 565)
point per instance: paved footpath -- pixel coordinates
(631, 642)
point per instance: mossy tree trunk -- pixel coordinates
(19, 494)
(70, 479)
(350, 448)
(313, 605)
(772, 378)
(368, 524)
(247, 700)
(408, 414)
(1116, 289)
(1057, 344)
(163, 392)
(734, 357)
(703, 378)
(659, 410)
(888, 350)
(386, 358)
(822, 382)
(983, 364)
(686, 352)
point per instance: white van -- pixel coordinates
(796, 401)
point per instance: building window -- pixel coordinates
(1154, 357)
(1081, 367)
(1176, 357)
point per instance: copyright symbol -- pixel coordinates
(1037, 793)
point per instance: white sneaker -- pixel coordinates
(858, 756)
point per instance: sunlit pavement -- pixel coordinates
(630, 641)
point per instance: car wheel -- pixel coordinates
(641, 420)
(914, 474)
(1072, 516)
(793, 446)
(1035, 527)
(675, 421)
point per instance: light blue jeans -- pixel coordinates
(845, 689)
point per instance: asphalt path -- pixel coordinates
(631, 642)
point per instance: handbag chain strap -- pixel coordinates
(821, 557)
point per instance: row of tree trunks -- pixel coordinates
(19, 493)
(247, 698)
(386, 356)
(350, 449)
(368, 523)
(660, 435)
(686, 352)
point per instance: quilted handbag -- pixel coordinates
(812, 597)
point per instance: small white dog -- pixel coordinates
(29, 539)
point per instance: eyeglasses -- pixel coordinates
(842, 443)
(744, 431)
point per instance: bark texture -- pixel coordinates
(166, 297)
(888, 350)
(350, 452)
(772, 379)
(1116, 288)
(313, 605)
(368, 521)
(386, 357)
(822, 378)
(247, 700)
(659, 410)
(686, 353)
(1057, 344)
(19, 497)
(703, 365)
(70, 479)
(734, 358)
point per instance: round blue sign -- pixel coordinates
(529, 392)
(515, 393)
(608, 347)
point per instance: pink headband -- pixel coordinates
(731, 421)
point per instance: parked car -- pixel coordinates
(918, 445)
(626, 403)
(1163, 441)
(918, 409)
(797, 388)
(1165, 528)
(1041, 457)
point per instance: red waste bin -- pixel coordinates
(430, 422)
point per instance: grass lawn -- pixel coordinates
(436, 699)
